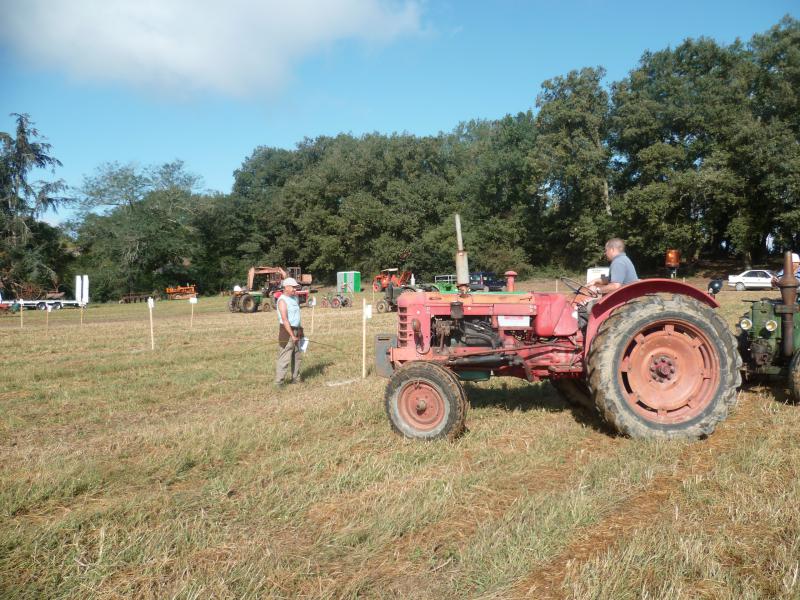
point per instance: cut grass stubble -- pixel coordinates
(183, 472)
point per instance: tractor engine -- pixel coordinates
(462, 332)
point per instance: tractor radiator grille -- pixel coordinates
(402, 327)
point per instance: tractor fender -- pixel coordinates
(605, 306)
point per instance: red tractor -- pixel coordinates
(392, 276)
(653, 357)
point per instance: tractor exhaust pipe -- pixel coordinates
(788, 286)
(462, 262)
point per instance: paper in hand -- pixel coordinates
(303, 344)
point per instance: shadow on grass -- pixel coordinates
(541, 396)
(315, 369)
(778, 387)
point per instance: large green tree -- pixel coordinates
(31, 253)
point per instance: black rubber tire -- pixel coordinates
(794, 378)
(56, 305)
(233, 306)
(575, 391)
(382, 306)
(740, 287)
(268, 304)
(619, 330)
(41, 306)
(347, 302)
(442, 382)
(248, 304)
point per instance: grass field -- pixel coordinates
(182, 473)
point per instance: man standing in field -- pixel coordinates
(621, 272)
(290, 332)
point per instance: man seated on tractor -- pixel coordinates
(621, 272)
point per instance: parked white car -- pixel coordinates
(754, 279)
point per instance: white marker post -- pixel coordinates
(192, 302)
(150, 305)
(84, 295)
(79, 294)
(366, 314)
(312, 302)
(21, 310)
(47, 317)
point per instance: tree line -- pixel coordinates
(697, 148)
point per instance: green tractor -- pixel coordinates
(769, 337)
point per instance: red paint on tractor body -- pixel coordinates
(533, 336)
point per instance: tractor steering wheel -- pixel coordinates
(579, 288)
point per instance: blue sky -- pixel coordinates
(207, 82)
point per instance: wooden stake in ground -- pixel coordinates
(81, 316)
(363, 338)
(192, 302)
(312, 302)
(150, 305)
(365, 314)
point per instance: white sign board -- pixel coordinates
(78, 288)
(150, 303)
(85, 290)
(312, 302)
(368, 311)
(193, 300)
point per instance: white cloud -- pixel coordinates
(235, 47)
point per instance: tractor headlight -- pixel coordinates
(771, 325)
(746, 324)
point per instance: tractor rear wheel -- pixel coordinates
(347, 302)
(425, 401)
(664, 368)
(574, 391)
(248, 304)
(336, 302)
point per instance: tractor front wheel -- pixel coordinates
(336, 302)
(425, 401)
(268, 305)
(382, 306)
(664, 368)
(233, 306)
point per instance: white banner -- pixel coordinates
(85, 290)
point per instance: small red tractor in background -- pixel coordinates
(392, 276)
(653, 357)
(264, 288)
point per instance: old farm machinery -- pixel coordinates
(263, 288)
(769, 333)
(389, 277)
(653, 357)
